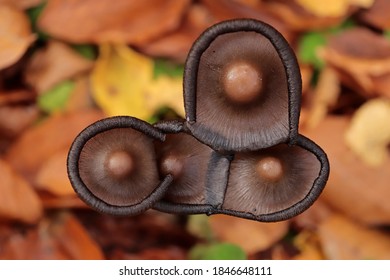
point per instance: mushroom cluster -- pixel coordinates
(238, 152)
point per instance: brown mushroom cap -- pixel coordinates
(119, 166)
(241, 92)
(186, 159)
(270, 180)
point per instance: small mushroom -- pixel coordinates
(241, 90)
(271, 180)
(186, 160)
(112, 165)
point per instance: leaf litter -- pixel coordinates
(61, 69)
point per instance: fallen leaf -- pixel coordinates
(176, 44)
(227, 9)
(40, 142)
(119, 79)
(368, 135)
(15, 119)
(123, 84)
(56, 63)
(18, 200)
(135, 22)
(333, 8)
(251, 236)
(80, 97)
(299, 19)
(165, 92)
(309, 246)
(377, 15)
(53, 176)
(312, 217)
(14, 97)
(22, 4)
(56, 98)
(354, 188)
(15, 35)
(325, 96)
(360, 68)
(342, 239)
(60, 237)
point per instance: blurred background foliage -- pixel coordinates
(67, 63)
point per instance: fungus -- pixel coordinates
(113, 165)
(239, 92)
(271, 180)
(186, 160)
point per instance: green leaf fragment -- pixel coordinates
(56, 98)
(87, 51)
(166, 67)
(217, 251)
(308, 47)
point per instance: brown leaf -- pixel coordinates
(325, 96)
(377, 15)
(18, 200)
(54, 64)
(120, 21)
(15, 35)
(60, 237)
(312, 217)
(14, 97)
(343, 239)
(39, 143)
(227, 9)
(298, 19)
(53, 177)
(360, 67)
(15, 119)
(353, 188)
(22, 4)
(80, 98)
(251, 236)
(176, 44)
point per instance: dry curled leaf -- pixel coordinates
(18, 200)
(360, 68)
(15, 35)
(353, 188)
(342, 239)
(251, 236)
(90, 21)
(333, 8)
(368, 135)
(54, 64)
(309, 247)
(40, 142)
(123, 84)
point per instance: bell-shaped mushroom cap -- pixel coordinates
(271, 180)
(112, 165)
(186, 160)
(239, 97)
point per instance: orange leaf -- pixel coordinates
(53, 176)
(39, 143)
(251, 236)
(54, 64)
(18, 200)
(343, 239)
(15, 35)
(111, 21)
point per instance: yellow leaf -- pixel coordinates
(165, 91)
(123, 84)
(332, 8)
(119, 79)
(368, 136)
